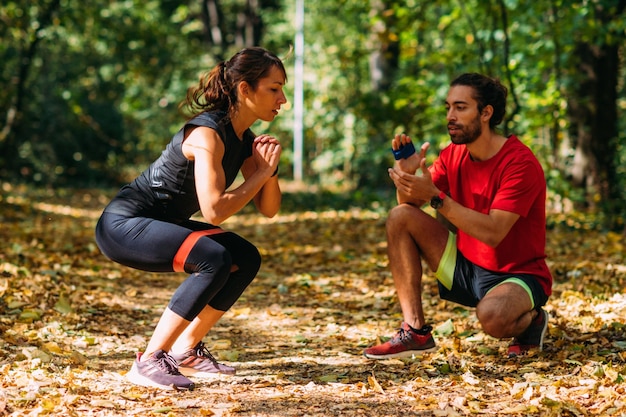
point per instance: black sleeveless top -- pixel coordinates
(166, 189)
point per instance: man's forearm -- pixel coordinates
(489, 228)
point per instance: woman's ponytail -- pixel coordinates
(211, 92)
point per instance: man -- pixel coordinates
(492, 189)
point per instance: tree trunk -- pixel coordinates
(247, 31)
(211, 18)
(385, 58)
(592, 110)
(248, 25)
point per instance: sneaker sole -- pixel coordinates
(136, 378)
(546, 319)
(399, 355)
(202, 374)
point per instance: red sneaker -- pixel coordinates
(406, 342)
(532, 338)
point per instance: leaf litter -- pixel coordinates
(71, 322)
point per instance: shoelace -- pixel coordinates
(167, 364)
(402, 336)
(202, 351)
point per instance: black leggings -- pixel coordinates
(152, 245)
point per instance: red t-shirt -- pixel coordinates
(513, 181)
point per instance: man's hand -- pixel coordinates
(413, 188)
(410, 164)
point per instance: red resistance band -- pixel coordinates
(188, 244)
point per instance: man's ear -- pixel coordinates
(487, 113)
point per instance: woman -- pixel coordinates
(147, 225)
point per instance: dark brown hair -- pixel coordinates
(487, 91)
(217, 89)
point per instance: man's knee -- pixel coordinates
(423, 228)
(494, 320)
(400, 212)
(491, 323)
(500, 311)
(401, 215)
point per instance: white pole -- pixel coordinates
(298, 96)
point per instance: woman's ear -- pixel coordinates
(243, 89)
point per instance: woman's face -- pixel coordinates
(266, 100)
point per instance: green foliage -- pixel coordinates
(97, 100)
(104, 86)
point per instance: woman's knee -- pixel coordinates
(215, 260)
(254, 257)
(246, 256)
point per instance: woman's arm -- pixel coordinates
(204, 146)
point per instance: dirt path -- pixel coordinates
(71, 321)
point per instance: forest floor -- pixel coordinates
(71, 322)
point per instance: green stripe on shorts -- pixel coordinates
(522, 284)
(445, 270)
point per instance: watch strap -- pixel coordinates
(437, 201)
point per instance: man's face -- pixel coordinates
(464, 124)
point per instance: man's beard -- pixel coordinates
(467, 134)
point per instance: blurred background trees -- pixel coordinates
(89, 90)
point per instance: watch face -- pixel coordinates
(436, 202)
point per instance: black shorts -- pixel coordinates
(463, 282)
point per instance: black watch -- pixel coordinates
(437, 201)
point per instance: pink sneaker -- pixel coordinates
(199, 362)
(159, 371)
